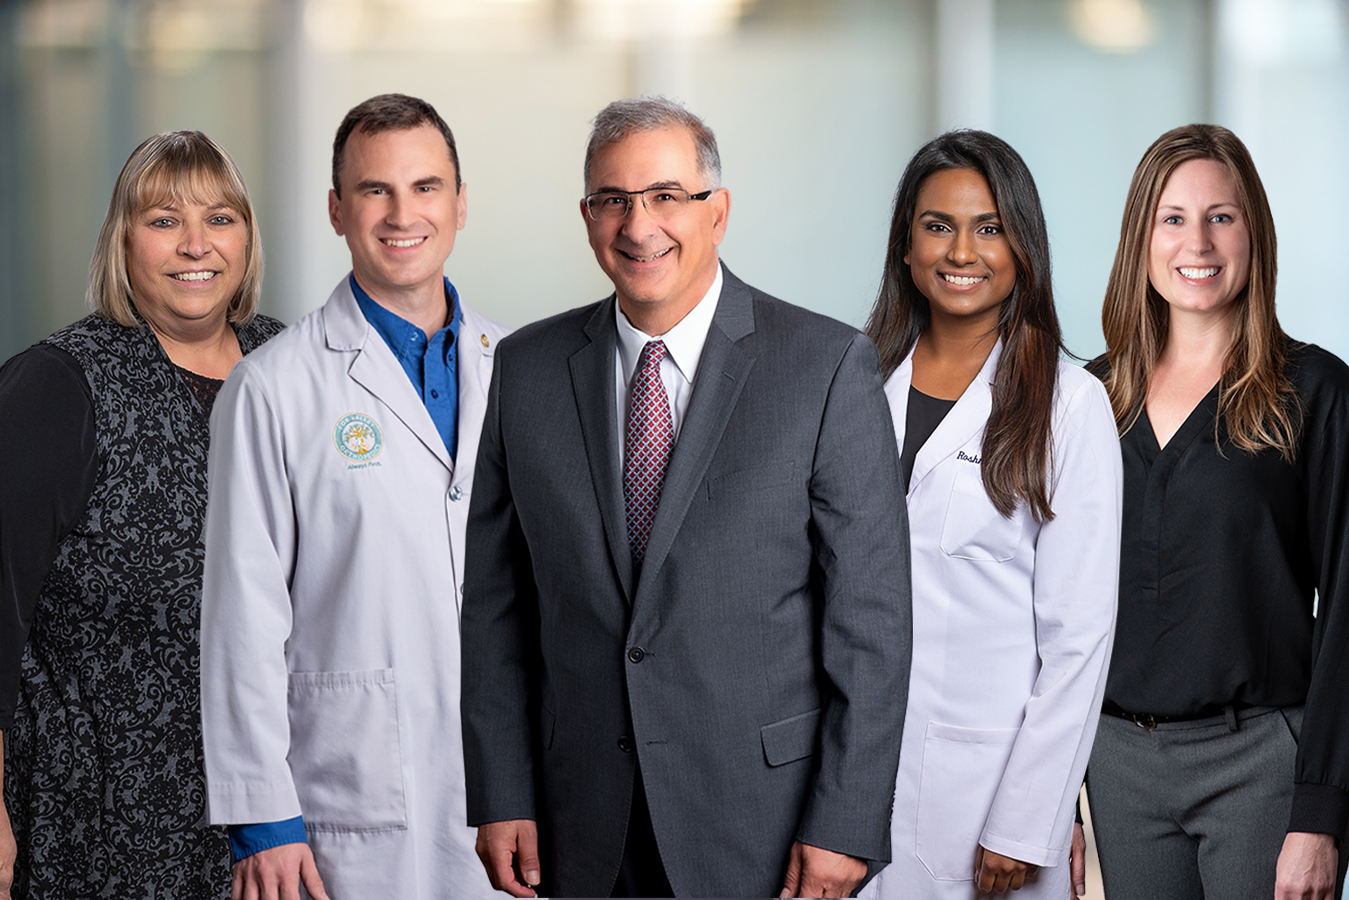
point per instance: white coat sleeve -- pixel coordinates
(246, 612)
(1076, 587)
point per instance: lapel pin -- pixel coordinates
(485, 342)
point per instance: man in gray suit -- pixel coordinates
(686, 620)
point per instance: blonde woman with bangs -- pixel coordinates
(1221, 764)
(102, 502)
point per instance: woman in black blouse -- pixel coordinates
(1223, 751)
(101, 510)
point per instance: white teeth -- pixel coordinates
(963, 280)
(410, 242)
(651, 257)
(194, 276)
(1199, 273)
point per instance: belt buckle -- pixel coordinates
(1145, 721)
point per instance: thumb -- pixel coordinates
(309, 875)
(792, 883)
(527, 852)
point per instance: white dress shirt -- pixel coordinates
(683, 350)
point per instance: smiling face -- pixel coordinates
(185, 262)
(959, 255)
(399, 211)
(1199, 255)
(661, 268)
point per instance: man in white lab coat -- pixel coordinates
(340, 471)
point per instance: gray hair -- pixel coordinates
(636, 114)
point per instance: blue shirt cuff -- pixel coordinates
(245, 840)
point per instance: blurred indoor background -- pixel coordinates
(817, 105)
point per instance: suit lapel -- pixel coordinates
(962, 423)
(592, 378)
(722, 372)
(474, 375)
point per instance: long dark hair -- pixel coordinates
(1016, 450)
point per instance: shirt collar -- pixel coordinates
(402, 336)
(683, 343)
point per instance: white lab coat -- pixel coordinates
(330, 630)
(1012, 627)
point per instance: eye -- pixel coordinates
(1171, 220)
(221, 219)
(613, 200)
(936, 227)
(990, 228)
(1222, 218)
(161, 222)
(425, 188)
(376, 192)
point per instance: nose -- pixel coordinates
(962, 251)
(196, 242)
(400, 212)
(638, 224)
(1199, 237)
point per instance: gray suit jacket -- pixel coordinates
(759, 666)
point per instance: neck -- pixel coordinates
(210, 350)
(423, 305)
(1199, 340)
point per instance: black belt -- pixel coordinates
(1152, 720)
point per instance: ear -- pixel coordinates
(335, 212)
(720, 202)
(585, 216)
(463, 206)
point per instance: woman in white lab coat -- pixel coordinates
(1013, 475)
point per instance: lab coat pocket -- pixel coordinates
(344, 750)
(962, 768)
(974, 529)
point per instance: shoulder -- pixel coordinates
(1080, 398)
(474, 322)
(47, 371)
(1099, 367)
(259, 330)
(780, 326)
(282, 345)
(1314, 370)
(561, 333)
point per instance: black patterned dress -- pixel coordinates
(101, 513)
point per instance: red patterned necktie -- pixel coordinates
(649, 439)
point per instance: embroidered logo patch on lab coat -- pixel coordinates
(358, 437)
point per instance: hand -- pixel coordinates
(995, 873)
(1306, 868)
(510, 853)
(816, 872)
(8, 850)
(1078, 863)
(276, 874)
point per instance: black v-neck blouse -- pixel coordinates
(1224, 554)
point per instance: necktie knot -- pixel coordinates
(649, 438)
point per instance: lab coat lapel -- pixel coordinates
(965, 420)
(722, 372)
(592, 378)
(377, 370)
(475, 374)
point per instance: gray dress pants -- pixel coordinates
(1193, 809)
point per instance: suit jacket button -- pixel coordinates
(625, 744)
(456, 493)
(636, 654)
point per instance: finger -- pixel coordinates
(309, 874)
(792, 882)
(502, 872)
(1017, 880)
(237, 887)
(527, 852)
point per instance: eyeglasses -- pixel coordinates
(661, 203)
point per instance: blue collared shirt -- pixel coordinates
(433, 368)
(431, 365)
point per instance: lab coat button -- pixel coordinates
(636, 654)
(456, 493)
(625, 744)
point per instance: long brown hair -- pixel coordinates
(1016, 449)
(1255, 398)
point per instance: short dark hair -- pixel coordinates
(389, 112)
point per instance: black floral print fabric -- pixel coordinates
(104, 778)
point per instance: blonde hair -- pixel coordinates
(1255, 397)
(178, 166)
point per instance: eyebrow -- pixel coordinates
(1212, 206)
(947, 217)
(611, 189)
